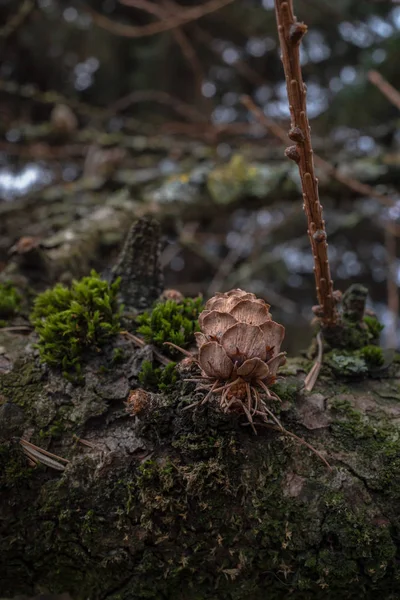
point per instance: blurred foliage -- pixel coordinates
(207, 63)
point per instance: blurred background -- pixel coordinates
(111, 109)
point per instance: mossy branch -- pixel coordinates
(290, 34)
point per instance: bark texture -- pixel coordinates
(183, 504)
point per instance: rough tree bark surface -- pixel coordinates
(190, 504)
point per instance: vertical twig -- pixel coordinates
(392, 290)
(290, 34)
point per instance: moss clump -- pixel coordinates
(347, 364)
(10, 302)
(359, 363)
(287, 390)
(158, 379)
(70, 321)
(373, 356)
(374, 328)
(171, 322)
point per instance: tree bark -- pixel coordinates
(188, 504)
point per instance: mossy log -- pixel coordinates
(191, 504)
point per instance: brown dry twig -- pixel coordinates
(17, 19)
(290, 34)
(353, 184)
(185, 16)
(181, 108)
(17, 328)
(139, 342)
(171, 9)
(384, 86)
(392, 289)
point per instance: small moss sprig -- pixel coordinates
(10, 302)
(158, 379)
(71, 321)
(171, 322)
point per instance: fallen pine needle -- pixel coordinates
(36, 454)
(312, 376)
(139, 342)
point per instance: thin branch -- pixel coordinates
(31, 92)
(188, 50)
(353, 184)
(185, 16)
(181, 108)
(17, 19)
(290, 34)
(17, 328)
(240, 65)
(392, 289)
(171, 9)
(139, 342)
(385, 87)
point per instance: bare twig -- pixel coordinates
(31, 92)
(290, 34)
(392, 289)
(240, 65)
(139, 342)
(171, 9)
(312, 376)
(19, 328)
(84, 442)
(181, 108)
(17, 19)
(188, 50)
(185, 16)
(353, 184)
(385, 87)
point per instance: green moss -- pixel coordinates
(355, 329)
(161, 379)
(14, 468)
(355, 541)
(206, 520)
(118, 356)
(72, 321)
(287, 389)
(55, 430)
(374, 328)
(377, 443)
(373, 356)
(347, 364)
(356, 363)
(22, 385)
(171, 322)
(10, 302)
